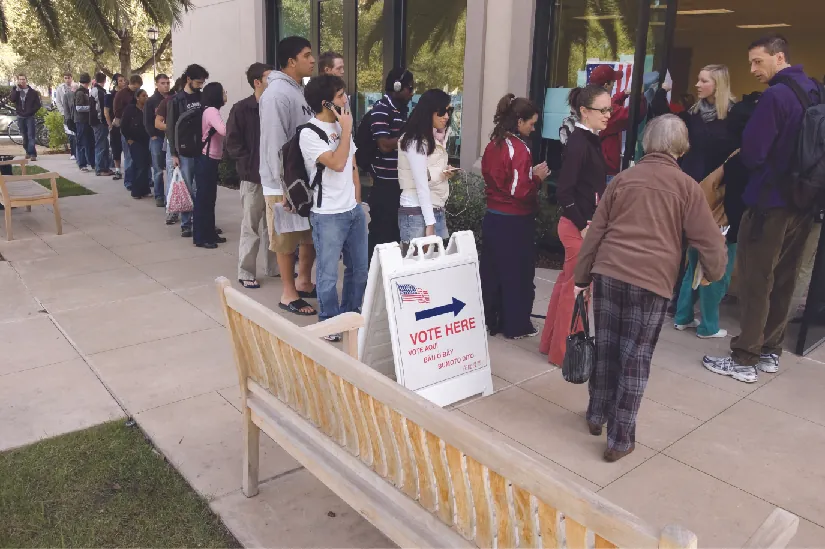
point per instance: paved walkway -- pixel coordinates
(119, 317)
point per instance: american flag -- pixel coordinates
(408, 292)
(623, 84)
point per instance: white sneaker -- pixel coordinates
(768, 363)
(683, 327)
(720, 333)
(72, 158)
(726, 366)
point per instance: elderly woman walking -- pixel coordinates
(631, 255)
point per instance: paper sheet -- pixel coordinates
(288, 222)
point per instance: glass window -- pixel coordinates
(436, 34)
(370, 51)
(332, 26)
(293, 18)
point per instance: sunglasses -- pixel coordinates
(606, 110)
(448, 111)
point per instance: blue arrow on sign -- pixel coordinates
(455, 307)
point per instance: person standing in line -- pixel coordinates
(423, 168)
(204, 235)
(282, 109)
(331, 62)
(507, 263)
(123, 98)
(156, 138)
(160, 125)
(773, 231)
(134, 131)
(85, 136)
(115, 143)
(611, 137)
(632, 259)
(387, 119)
(581, 185)
(339, 226)
(63, 101)
(243, 142)
(26, 101)
(100, 129)
(186, 99)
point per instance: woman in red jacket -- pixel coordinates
(508, 263)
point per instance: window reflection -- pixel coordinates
(293, 18)
(370, 60)
(332, 26)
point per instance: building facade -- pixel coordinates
(478, 50)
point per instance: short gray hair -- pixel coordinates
(666, 134)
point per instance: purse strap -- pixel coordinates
(580, 311)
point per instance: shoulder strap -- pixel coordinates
(316, 129)
(801, 95)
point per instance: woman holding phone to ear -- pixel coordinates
(423, 168)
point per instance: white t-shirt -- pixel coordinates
(338, 188)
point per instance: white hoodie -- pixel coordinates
(282, 109)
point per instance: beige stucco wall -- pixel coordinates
(225, 36)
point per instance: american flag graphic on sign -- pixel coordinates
(410, 293)
(623, 84)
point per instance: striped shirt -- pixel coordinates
(386, 121)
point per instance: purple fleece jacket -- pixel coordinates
(770, 138)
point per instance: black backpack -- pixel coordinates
(807, 185)
(297, 189)
(365, 147)
(189, 132)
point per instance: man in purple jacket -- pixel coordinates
(772, 233)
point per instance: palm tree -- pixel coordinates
(109, 24)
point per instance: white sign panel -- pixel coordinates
(427, 310)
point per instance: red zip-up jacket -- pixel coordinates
(510, 185)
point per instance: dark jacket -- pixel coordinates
(149, 114)
(98, 103)
(243, 138)
(82, 105)
(179, 103)
(711, 143)
(583, 177)
(131, 125)
(769, 141)
(28, 106)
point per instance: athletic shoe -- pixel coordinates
(726, 366)
(720, 333)
(683, 327)
(160, 202)
(85, 169)
(34, 159)
(171, 218)
(768, 363)
(186, 233)
(72, 158)
(117, 176)
(533, 333)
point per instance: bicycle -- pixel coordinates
(41, 131)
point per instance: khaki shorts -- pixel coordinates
(285, 243)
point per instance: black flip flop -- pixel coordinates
(309, 295)
(296, 306)
(249, 284)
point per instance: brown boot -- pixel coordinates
(615, 455)
(595, 430)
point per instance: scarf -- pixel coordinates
(707, 111)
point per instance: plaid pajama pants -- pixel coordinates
(628, 321)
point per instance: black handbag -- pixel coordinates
(580, 353)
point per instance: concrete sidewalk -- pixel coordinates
(119, 316)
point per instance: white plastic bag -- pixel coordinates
(178, 199)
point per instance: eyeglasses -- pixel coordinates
(448, 111)
(606, 110)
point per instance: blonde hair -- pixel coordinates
(721, 80)
(666, 134)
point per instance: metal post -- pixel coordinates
(154, 62)
(542, 40)
(670, 34)
(638, 77)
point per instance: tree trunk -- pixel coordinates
(125, 53)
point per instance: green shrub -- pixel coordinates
(57, 136)
(468, 204)
(227, 174)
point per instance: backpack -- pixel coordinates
(365, 146)
(807, 185)
(297, 189)
(189, 132)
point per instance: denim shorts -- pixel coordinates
(411, 223)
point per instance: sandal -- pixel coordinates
(296, 306)
(249, 284)
(309, 295)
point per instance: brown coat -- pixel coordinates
(636, 234)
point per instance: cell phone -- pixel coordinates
(331, 106)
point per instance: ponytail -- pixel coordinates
(509, 111)
(584, 97)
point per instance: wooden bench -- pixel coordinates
(17, 191)
(422, 475)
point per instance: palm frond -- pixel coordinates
(157, 10)
(179, 8)
(95, 19)
(47, 17)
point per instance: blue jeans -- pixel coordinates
(85, 145)
(187, 170)
(102, 161)
(128, 171)
(413, 225)
(158, 165)
(333, 234)
(27, 126)
(72, 144)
